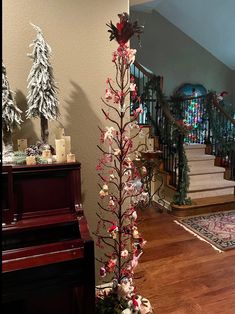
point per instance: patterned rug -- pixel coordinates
(218, 229)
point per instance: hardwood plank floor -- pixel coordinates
(181, 274)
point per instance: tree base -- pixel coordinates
(115, 301)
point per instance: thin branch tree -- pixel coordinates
(120, 188)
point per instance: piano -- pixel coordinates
(47, 250)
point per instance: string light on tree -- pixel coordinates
(193, 118)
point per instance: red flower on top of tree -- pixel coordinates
(124, 30)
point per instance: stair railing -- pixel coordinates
(221, 135)
(166, 127)
(209, 124)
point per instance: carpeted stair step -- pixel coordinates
(194, 149)
(200, 178)
(197, 169)
(201, 161)
(211, 188)
(200, 157)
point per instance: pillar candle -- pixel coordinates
(60, 150)
(49, 160)
(31, 160)
(22, 144)
(60, 133)
(46, 153)
(71, 158)
(67, 144)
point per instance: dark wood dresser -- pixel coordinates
(47, 250)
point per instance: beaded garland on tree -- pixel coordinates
(120, 188)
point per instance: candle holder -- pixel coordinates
(149, 168)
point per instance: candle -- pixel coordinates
(49, 160)
(60, 133)
(60, 150)
(31, 160)
(67, 144)
(22, 144)
(71, 158)
(46, 153)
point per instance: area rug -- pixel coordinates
(217, 229)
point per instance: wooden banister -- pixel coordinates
(221, 109)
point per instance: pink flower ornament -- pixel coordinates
(131, 55)
(137, 112)
(110, 265)
(135, 261)
(108, 94)
(114, 57)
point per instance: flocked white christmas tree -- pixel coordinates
(11, 117)
(42, 90)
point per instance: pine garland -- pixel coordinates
(180, 198)
(170, 137)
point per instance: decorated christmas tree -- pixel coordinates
(121, 189)
(42, 91)
(194, 118)
(11, 117)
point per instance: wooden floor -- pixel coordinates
(181, 274)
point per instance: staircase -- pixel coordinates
(189, 172)
(205, 179)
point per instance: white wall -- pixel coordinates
(170, 53)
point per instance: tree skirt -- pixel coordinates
(217, 229)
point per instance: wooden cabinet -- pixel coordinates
(47, 251)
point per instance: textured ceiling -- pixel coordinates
(211, 23)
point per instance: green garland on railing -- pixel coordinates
(180, 198)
